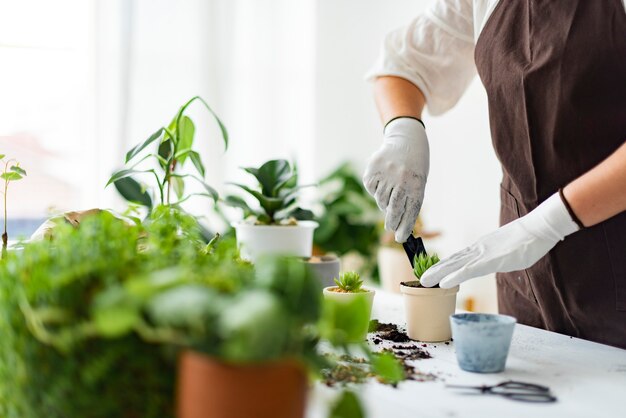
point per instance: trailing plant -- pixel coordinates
(276, 194)
(11, 172)
(421, 263)
(350, 282)
(175, 146)
(350, 221)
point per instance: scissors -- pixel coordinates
(517, 391)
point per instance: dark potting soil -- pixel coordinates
(390, 332)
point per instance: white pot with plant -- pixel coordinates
(427, 309)
(347, 298)
(278, 225)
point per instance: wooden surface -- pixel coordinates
(589, 379)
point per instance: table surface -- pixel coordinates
(589, 379)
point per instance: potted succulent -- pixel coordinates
(342, 298)
(277, 225)
(427, 308)
(391, 257)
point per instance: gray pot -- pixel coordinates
(482, 341)
(325, 267)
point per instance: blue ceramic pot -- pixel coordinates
(482, 341)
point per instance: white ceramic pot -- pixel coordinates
(359, 330)
(256, 240)
(394, 267)
(428, 312)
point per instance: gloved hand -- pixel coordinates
(514, 246)
(396, 175)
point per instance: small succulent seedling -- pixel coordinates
(350, 282)
(276, 194)
(12, 172)
(423, 262)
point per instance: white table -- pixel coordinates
(589, 379)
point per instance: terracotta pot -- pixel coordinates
(428, 311)
(208, 388)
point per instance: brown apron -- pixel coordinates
(555, 75)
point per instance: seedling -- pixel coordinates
(276, 194)
(175, 147)
(350, 282)
(423, 262)
(12, 172)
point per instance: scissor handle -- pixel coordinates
(516, 385)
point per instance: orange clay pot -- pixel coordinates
(208, 388)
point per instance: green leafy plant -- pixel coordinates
(12, 172)
(350, 282)
(276, 195)
(175, 147)
(423, 262)
(350, 222)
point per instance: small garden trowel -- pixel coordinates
(413, 246)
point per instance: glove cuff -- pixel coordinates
(404, 126)
(552, 220)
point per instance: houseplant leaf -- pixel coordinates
(186, 132)
(139, 147)
(133, 191)
(19, 170)
(348, 406)
(11, 176)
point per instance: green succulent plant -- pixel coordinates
(276, 195)
(350, 282)
(423, 262)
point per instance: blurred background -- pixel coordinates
(84, 80)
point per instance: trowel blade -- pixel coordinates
(412, 247)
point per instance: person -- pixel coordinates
(555, 77)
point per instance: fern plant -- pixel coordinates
(276, 194)
(350, 282)
(423, 262)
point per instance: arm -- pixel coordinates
(594, 197)
(396, 96)
(601, 192)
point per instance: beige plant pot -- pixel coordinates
(428, 312)
(394, 267)
(344, 320)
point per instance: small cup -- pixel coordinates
(482, 341)
(326, 268)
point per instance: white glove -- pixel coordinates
(514, 246)
(396, 175)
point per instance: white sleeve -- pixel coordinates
(435, 52)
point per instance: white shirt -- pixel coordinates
(436, 50)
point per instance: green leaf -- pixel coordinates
(139, 147)
(217, 119)
(179, 186)
(11, 176)
(269, 204)
(115, 321)
(133, 191)
(348, 406)
(118, 175)
(197, 162)
(387, 367)
(2, 156)
(300, 214)
(166, 148)
(271, 174)
(238, 202)
(186, 132)
(17, 169)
